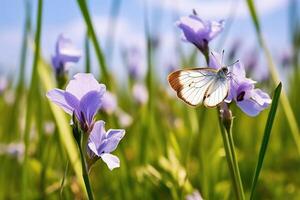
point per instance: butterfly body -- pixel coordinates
(198, 86)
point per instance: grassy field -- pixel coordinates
(170, 149)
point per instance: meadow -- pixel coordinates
(161, 147)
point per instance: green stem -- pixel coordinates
(235, 163)
(33, 90)
(231, 161)
(287, 108)
(228, 157)
(87, 54)
(85, 174)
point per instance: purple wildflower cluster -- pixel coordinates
(83, 98)
(242, 89)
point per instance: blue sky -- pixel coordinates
(64, 17)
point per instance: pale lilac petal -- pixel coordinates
(216, 28)
(113, 137)
(262, 98)
(109, 102)
(96, 137)
(194, 196)
(90, 104)
(72, 100)
(238, 71)
(198, 31)
(140, 93)
(193, 28)
(57, 96)
(66, 50)
(250, 107)
(83, 83)
(110, 160)
(135, 63)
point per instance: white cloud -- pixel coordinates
(219, 8)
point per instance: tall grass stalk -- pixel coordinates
(231, 158)
(266, 138)
(92, 33)
(32, 89)
(274, 74)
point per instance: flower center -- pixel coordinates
(240, 96)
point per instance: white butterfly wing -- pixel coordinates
(216, 93)
(191, 84)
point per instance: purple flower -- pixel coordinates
(242, 90)
(140, 93)
(3, 84)
(199, 32)
(83, 97)
(102, 143)
(194, 196)
(65, 54)
(250, 100)
(109, 103)
(135, 65)
(124, 119)
(286, 59)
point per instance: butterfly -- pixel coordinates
(197, 86)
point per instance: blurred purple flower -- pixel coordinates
(49, 127)
(109, 102)
(83, 97)
(140, 93)
(250, 100)
(124, 119)
(286, 58)
(102, 143)
(234, 49)
(251, 60)
(65, 54)
(3, 84)
(198, 31)
(15, 150)
(135, 65)
(194, 196)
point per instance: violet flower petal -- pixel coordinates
(250, 107)
(96, 137)
(110, 160)
(262, 98)
(90, 104)
(66, 50)
(113, 137)
(216, 28)
(83, 83)
(57, 96)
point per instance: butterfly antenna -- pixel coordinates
(216, 58)
(233, 63)
(195, 12)
(222, 56)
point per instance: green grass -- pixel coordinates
(169, 150)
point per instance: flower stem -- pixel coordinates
(85, 174)
(231, 159)
(235, 164)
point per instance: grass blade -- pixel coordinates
(274, 74)
(64, 129)
(91, 32)
(31, 94)
(266, 137)
(87, 54)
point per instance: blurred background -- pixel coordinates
(170, 150)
